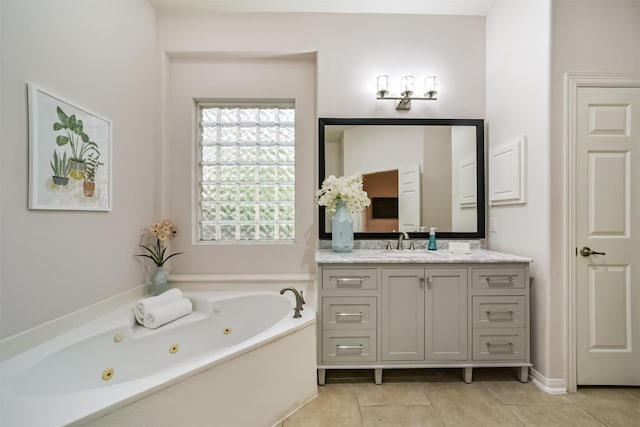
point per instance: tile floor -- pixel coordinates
(440, 398)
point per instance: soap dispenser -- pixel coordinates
(432, 246)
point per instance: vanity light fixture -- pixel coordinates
(407, 86)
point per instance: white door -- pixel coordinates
(409, 198)
(608, 221)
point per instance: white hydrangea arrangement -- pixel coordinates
(348, 189)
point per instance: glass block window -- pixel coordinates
(246, 172)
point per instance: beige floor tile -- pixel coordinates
(488, 403)
(554, 416)
(476, 413)
(517, 393)
(588, 395)
(634, 391)
(460, 404)
(610, 405)
(335, 406)
(616, 414)
(392, 394)
(460, 392)
(401, 416)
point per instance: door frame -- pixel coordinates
(572, 82)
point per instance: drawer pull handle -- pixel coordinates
(498, 345)
(496, 280)
(349, 347)
(500, 313)
(349, 314)
(347, 281)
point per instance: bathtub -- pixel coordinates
(240, 359)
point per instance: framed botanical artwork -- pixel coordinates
(69, 155)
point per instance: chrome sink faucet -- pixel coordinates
(299, 301)
(403, 235)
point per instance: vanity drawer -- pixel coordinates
(498, 311)
(497, 278)
(349, 346)
(499, 344)
(349, 278)
(349, 312)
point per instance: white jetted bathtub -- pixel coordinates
(240, 359)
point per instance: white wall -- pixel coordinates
(288, 77)
(370, 150)
(351, 50)
(100, 55)
(518, 66)
(594, 36)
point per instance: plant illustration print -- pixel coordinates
(69, 155)
(60, 168)
(74, 136)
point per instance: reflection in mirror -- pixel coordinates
(418, 173)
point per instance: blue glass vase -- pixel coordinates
(159, 282)
(342, 229)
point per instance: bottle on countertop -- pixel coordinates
(433, 245)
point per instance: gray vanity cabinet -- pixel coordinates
(402, 312)
(424, 314)
(382, 310)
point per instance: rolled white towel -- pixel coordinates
(146, 304)
(158, 316)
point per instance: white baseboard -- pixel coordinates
(548, 385)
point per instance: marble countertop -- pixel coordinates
(418, 256)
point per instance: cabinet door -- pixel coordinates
(402, 326)
(446, 314)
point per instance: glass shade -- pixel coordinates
(382, 85)
(431, 87)
(407, 84)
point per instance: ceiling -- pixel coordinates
(424, 7)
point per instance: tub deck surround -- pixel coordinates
(109, 363)
(384, 309)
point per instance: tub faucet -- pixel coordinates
(299, 301)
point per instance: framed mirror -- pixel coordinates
(418, 173)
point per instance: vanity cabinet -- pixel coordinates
(424, 314)
(403, 314)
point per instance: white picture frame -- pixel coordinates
(68, 146)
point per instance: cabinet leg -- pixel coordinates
(524, 374)
(468, 375)
(321, 376)
(377, 373)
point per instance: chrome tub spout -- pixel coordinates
(299, 301)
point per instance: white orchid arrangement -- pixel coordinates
(348, 189)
